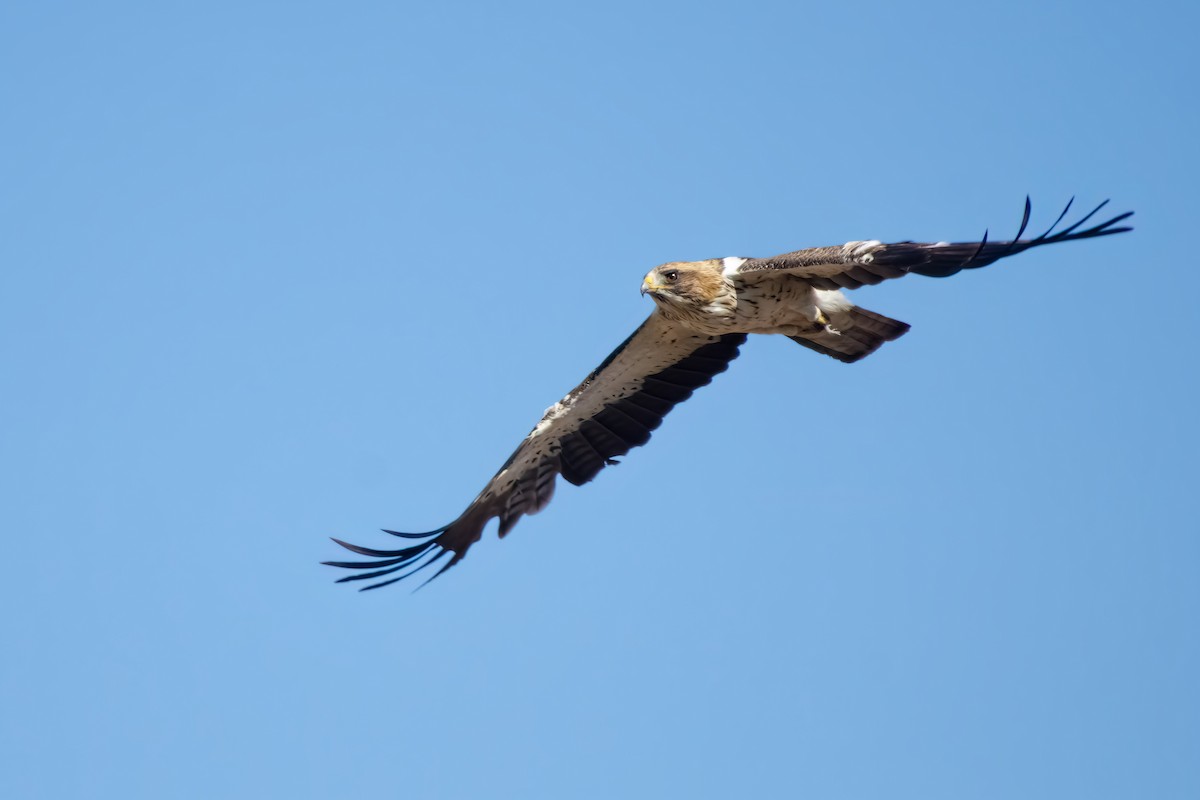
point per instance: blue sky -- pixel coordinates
(276, 272)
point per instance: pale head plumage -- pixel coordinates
(695, 293)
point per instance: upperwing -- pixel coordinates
(612, 411)
(855, 264)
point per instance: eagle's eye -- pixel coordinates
(671, 275)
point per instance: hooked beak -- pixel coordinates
(649, 286)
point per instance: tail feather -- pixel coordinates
(860, 333)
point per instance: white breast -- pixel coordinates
(765, 306)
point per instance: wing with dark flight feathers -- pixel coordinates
(856, 264)
(612, 411)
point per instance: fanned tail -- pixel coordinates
(859, 333)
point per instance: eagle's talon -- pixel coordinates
(826, 323)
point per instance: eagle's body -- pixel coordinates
(704, 311)
(717, 297)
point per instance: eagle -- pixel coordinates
(703, 312)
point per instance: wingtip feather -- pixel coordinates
(426, 535)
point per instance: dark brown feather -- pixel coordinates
(620, 424)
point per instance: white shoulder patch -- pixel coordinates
(552, 413)
(731, 264)
(860, 251)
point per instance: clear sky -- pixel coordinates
(272, 272)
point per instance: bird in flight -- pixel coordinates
(703, 311)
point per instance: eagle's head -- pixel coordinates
(689, 289)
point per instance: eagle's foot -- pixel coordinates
(827, 325)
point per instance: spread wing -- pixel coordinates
(856, 264)
(612, 411)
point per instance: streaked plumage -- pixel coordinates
(703, 312)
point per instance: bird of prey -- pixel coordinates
(703, 311)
